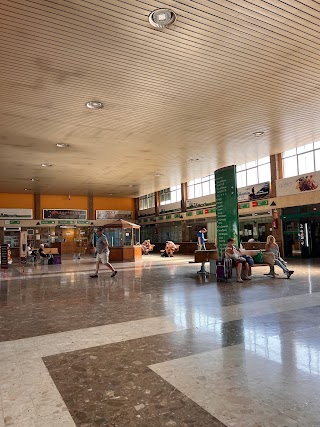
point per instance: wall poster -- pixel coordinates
(64, 214)
(105, 214)
(16, 213)
(298, 184)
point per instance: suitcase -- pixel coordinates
(223, 269)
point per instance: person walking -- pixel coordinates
(102, 249)
(201, 239)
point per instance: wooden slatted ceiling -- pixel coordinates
(198, 89)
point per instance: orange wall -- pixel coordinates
(113, 203)
(16, 201)
(63, 202)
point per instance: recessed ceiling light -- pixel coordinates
(131, 185)
(110, 194)
(261, 133)
(194, 160)
(32, 179)
(157, 174)
(162, 18)
(46, 165)
(94, 105)
(62, 145)
(27, 189)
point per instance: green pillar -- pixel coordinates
(227, 207)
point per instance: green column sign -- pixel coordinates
(227, 207)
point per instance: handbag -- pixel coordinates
(258, 259)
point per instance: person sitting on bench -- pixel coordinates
(42, 252)
(146, 247)
(31, 253)
(271, 246)
(238, 260)
(170, 248)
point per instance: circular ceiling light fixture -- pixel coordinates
(261, 133)
(94, 105)
(46, 165)
(162, 18)
(62, 145)
(27, 189)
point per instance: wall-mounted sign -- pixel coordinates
(227, 206)
(160, 218)
(12, 221)
(16, 213)
(4, 256)
(298, 184)
(66, 221)
(48, 222)
(83, 222)
(244, 205)
(105, 214)
(177, 215)
(64, 214)
(254, 192)
(199, 212)
(189, 214)
(168, 216)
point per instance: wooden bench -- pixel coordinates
(205, 256)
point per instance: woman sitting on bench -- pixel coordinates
(170, 248)
(238, 260)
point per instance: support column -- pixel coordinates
(37, 210)
(157, 202)
(184, 196)
(227, 207)
(136, 208)
(90, 208)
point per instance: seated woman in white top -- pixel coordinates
(170, 248)
(240, 262)
(271, 246)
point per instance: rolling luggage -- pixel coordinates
(223, 269)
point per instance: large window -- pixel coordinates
(201, 187)
(255, 172)
(301, 160)
(170, 195)
(147, 201)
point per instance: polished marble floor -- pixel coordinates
(158, 345)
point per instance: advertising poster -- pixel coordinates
(105, 214)
(298, 184)
(254, 192)
(64, 214)
(226, 207)
(16, 213)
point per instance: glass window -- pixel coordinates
(264, 173)
(255, 172)
(264, 160)
(252, 176)
(317, 160)
(301, 160)
(305, 148)
(289, 153)
(170, 195)
(290, 167)
(306, 162)
(147, 201)
(251, 164)
(201, 187)
(241, 179)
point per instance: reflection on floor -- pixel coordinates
(158, 345)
